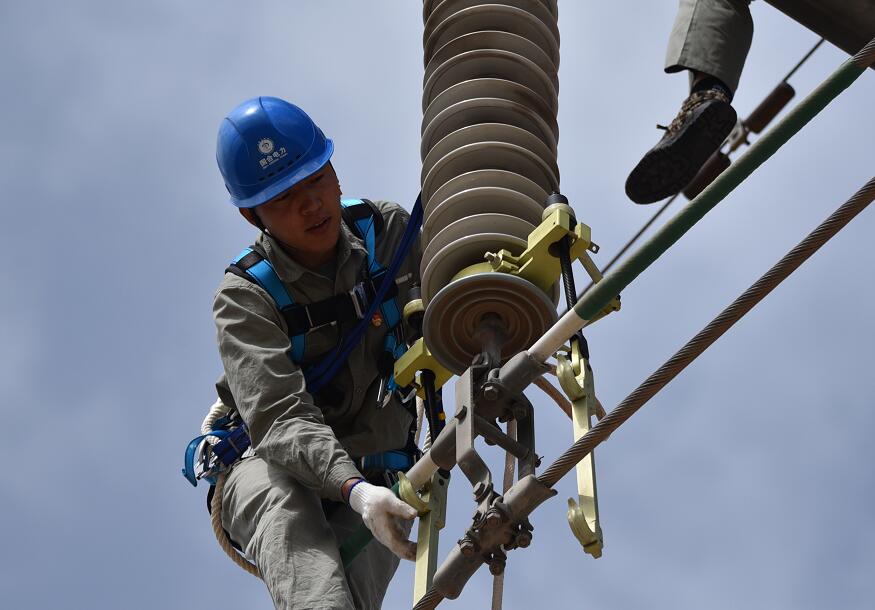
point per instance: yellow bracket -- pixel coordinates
(416, 359)
(539, 263)
(435, 497)
(576, 378)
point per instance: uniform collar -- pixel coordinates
(350, 251)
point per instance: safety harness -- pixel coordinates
(372, 300)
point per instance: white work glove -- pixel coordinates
(386, 517)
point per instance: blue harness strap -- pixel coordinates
(265, 276)
(366, 230)
(363, 224)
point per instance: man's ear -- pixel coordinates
(250, 217)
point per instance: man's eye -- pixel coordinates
(317, 179)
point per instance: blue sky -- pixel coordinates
(747, 482)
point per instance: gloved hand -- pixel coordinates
(385, 516)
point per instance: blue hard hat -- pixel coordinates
(265, 147)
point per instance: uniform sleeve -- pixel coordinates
(286, 428)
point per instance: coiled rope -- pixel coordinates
(222, 535)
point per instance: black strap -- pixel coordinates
(344, 308)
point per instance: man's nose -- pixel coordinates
(312, 203)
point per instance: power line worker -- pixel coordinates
(319, 457)
(710, 39)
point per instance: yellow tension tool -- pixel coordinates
(416, 359)
(430, 524)
(576, 378)
(539, 262)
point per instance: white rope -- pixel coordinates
(420, 415)
(217, 412)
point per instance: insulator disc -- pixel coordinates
(447, 8)
(490, 155)
(446, 263)
(470, 225)
(481, 200)
(493, 88)
(487, 178)
(503, 41)
(429, 5)
(488, 110)
(490, 132)
(487, 63)
(453, 317)
(491, 17)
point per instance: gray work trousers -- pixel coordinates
(283, 528)
(711, 36)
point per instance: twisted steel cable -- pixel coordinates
(723, 322)
(429, 601)
(866, 55)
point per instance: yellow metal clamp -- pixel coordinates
(431, 522)
(539, 262)
(416, 359)
(576, 378)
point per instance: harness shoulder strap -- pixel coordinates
(366, 222)
(251, 264)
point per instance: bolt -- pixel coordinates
(481, 490)
(493, 518)
(467, 546)
(496, 566)
(490, 392)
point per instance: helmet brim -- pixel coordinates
(286, 182)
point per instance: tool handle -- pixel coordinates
(769, 108)
(713, 167)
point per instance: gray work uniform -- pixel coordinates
(711, 36)
(305, 445)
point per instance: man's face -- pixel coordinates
(306, 218)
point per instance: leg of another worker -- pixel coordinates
(711, 37)
(281, 525)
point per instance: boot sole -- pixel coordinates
(668, 167)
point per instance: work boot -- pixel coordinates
(701, 126)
